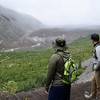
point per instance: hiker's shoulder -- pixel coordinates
(97, 48)
(55, 55)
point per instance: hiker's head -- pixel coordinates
(59, 43)
(95, 38)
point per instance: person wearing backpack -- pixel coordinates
(60, 69)
(95, 84)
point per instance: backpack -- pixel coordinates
(70, 71)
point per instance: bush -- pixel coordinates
(10, 87)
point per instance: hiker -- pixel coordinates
(95, 84)
(56, 87)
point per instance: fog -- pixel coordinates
(58, 12)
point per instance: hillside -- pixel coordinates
(14, 25)
(23, 32)
(28, 70)
(44, 37)
(77, 91)
(32, 65)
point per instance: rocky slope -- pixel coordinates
(14, 25)
(77, 93)
(45, 36)
(88, 73)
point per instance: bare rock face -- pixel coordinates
(32, 95)
(78, 90)
(88, 73)
(5, 96)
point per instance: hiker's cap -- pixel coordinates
(59, 42)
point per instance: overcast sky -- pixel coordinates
(58, 12)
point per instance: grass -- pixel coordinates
(25, 68)
(29, 69)
(81, 49)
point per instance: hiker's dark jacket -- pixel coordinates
(56, 68)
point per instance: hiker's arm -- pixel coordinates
(97, 67)
(51, 70)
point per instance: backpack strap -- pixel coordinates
(68, 71)
(60, 56)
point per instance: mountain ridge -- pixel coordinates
(14, 25)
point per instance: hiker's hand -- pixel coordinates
(46, 89)
(46, 92)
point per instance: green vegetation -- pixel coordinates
(81, 49)
(28, 69)
(10, 87)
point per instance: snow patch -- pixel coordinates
(38, 44)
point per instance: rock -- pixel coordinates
(88, 74)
